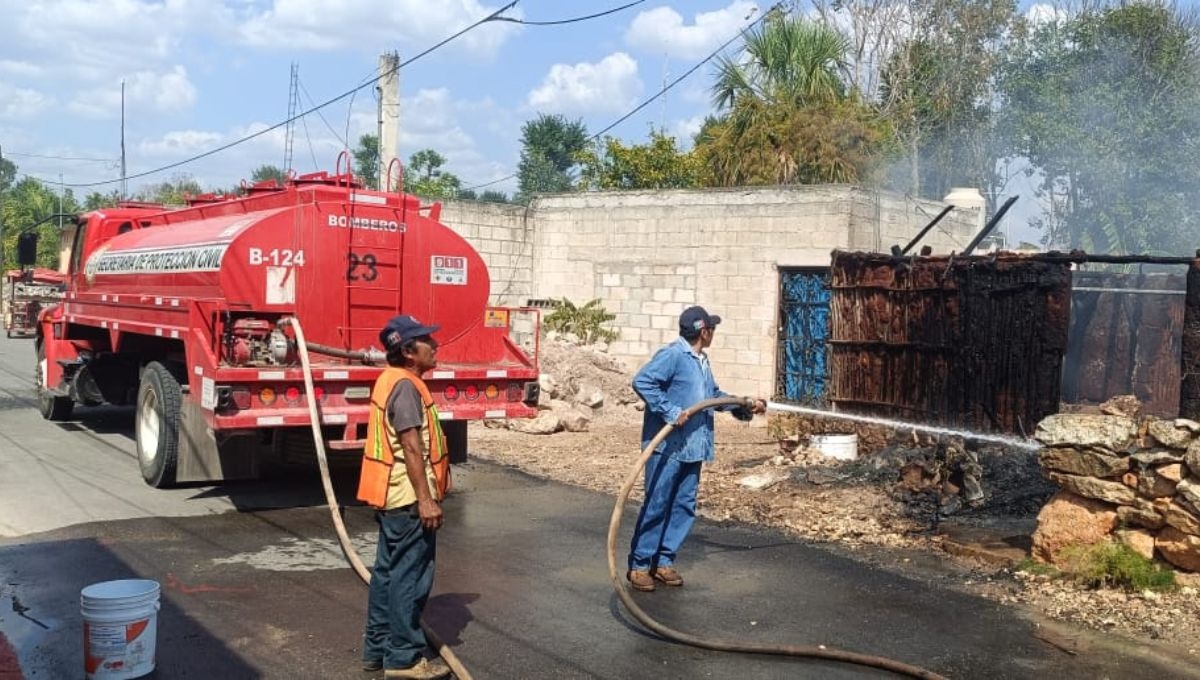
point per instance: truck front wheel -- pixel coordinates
(157, 425)
(51, 406)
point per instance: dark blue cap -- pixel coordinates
(400, 329)
(695, 318)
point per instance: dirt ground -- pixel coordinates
(869, 506)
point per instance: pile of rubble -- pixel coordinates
(1125, 478)
(581, 385)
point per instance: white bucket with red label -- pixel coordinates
(120, 628)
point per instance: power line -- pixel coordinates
(570, 21)
(491, 17)
(658, 94)
(63, 158)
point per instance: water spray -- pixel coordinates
(1015, 442)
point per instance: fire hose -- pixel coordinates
(331, 501)
(717, 644)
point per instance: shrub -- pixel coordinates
(586, 322)
(1114, 565)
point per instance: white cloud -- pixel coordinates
(23, 69)
(181, 143)
(415, 24)
(685, 130)
(612, 84)
(167, 92)
(16, 102)
(662, 30)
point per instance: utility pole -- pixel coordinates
(124, 187)
(3, 267)
(389, 114)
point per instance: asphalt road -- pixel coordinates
(254, 585)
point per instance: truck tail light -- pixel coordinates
(451, 393)
(472, 392)
(232, 398)
(532, 391)
(292, 394)
(491, 391)
(319, 393)
(514, 392)
(267, 396)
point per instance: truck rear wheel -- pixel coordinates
(157, 425)
(51, 406)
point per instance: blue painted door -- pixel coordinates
(803, 333)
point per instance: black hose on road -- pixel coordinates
(717, 644)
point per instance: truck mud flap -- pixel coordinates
(201, 459)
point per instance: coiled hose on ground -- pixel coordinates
(331, 500)
(717, 644)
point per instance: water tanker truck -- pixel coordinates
(191, 314)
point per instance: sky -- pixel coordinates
(200, 74)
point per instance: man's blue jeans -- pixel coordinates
(667, 513)
(400, 585)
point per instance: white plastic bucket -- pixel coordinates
(120, 628)
(840, 446)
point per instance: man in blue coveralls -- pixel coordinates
(678, 377)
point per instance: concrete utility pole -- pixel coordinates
(389, 114)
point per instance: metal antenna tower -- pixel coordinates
(293, 107)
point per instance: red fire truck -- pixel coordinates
(189, 314)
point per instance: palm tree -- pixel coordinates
(787, 60)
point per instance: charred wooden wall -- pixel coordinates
(974, 342)
(1125, 339)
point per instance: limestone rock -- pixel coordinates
(1182, 519)
(549, 386)
(1165, 433)
(1178, 548)
(1122, 405)
(1141, 541)
(546, 422)
(1157, 457)
(1068, 519)
(574, 420)
(1172, 472)
(1154, 484)
(1189, 489)
(1099, 489)
(1082, 462)
(762, 480)
(1192, 457)
(1189, 424)
(1141, 515)
(591, 397)
(1130, 479)
(1113, 433)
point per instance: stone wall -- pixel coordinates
(649, 254)
(1134, 481)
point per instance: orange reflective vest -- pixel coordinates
(383, 444)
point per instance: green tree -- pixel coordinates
(784, 114)
(268, 172)
(658, 164)
(96, 200)
(424, 176)
(366, 160)
(548, 148)
(786, 60)
(172, 192)
(30, 205)
(1103, 105)
(8, 172)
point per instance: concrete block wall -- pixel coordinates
(503, 236)
(649, 254)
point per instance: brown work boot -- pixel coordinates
(640, 580)
(423, 669)
(668, 575)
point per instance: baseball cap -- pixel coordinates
(695, 318)
(400, 329)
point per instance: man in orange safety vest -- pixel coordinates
(405, 475)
